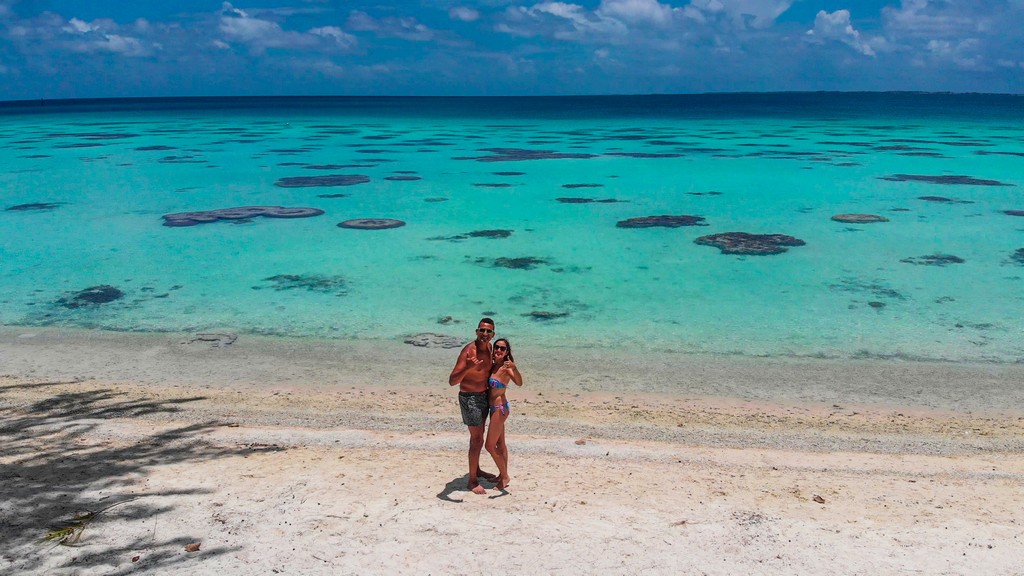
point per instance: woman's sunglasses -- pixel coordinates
(502, 348)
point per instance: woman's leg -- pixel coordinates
(503, 479)
(496, 434)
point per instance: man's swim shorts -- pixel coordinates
(474, 408)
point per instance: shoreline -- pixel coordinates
(814, 406)
(245, 361)
(324, 459)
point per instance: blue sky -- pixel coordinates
(106, 48)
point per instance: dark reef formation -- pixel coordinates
(307, 282)
(92, 296)
(876, 288)
(943, 179)
(643, 155)
(432, 340)
(665, 221)
(943, 199)
(859, 218)
(934, 260)
(544, 315)
(329, 166)
(35, 206)
(521, 154)
(746, 243)
(491, 234)
(239, 213)
(588, 200)
(322, 181)
(371, 223)
(520, 263)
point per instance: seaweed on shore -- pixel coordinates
(71, 531)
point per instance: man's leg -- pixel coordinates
(476, 443)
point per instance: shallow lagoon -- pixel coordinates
(510, 209)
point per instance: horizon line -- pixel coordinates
(60, 101)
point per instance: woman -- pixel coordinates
(503, 371)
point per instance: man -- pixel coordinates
(471, 372)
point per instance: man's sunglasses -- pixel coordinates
(500, 347)
(485, 330)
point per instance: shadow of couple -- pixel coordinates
(461, 484)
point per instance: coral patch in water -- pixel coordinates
(749, 244)
(239, 213)
(663, 221)
(371, 223)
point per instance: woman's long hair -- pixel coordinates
(508, 353)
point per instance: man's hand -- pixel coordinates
(472, 358)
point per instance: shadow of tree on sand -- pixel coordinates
(55, 463)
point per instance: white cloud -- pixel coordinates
(325, 68)
(228, 10)
(464, 14)
(837, 26)
(757, 14)
(931, 19)
(963, 54)
(259, 34)
(563, 21)
(76, 26)
(636, 11)
(334, 33)
(966, 35)
(361, 21)
(405, 28)
(125, 45)
(253, 31)
(101, 36)
(573, 12)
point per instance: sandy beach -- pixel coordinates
(335, 457)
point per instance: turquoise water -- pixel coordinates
(780, 164)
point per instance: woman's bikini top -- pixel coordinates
(495, 383)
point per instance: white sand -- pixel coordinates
(349, 458)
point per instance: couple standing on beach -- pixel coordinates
(483, 373)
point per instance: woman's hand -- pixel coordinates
(513, 372)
